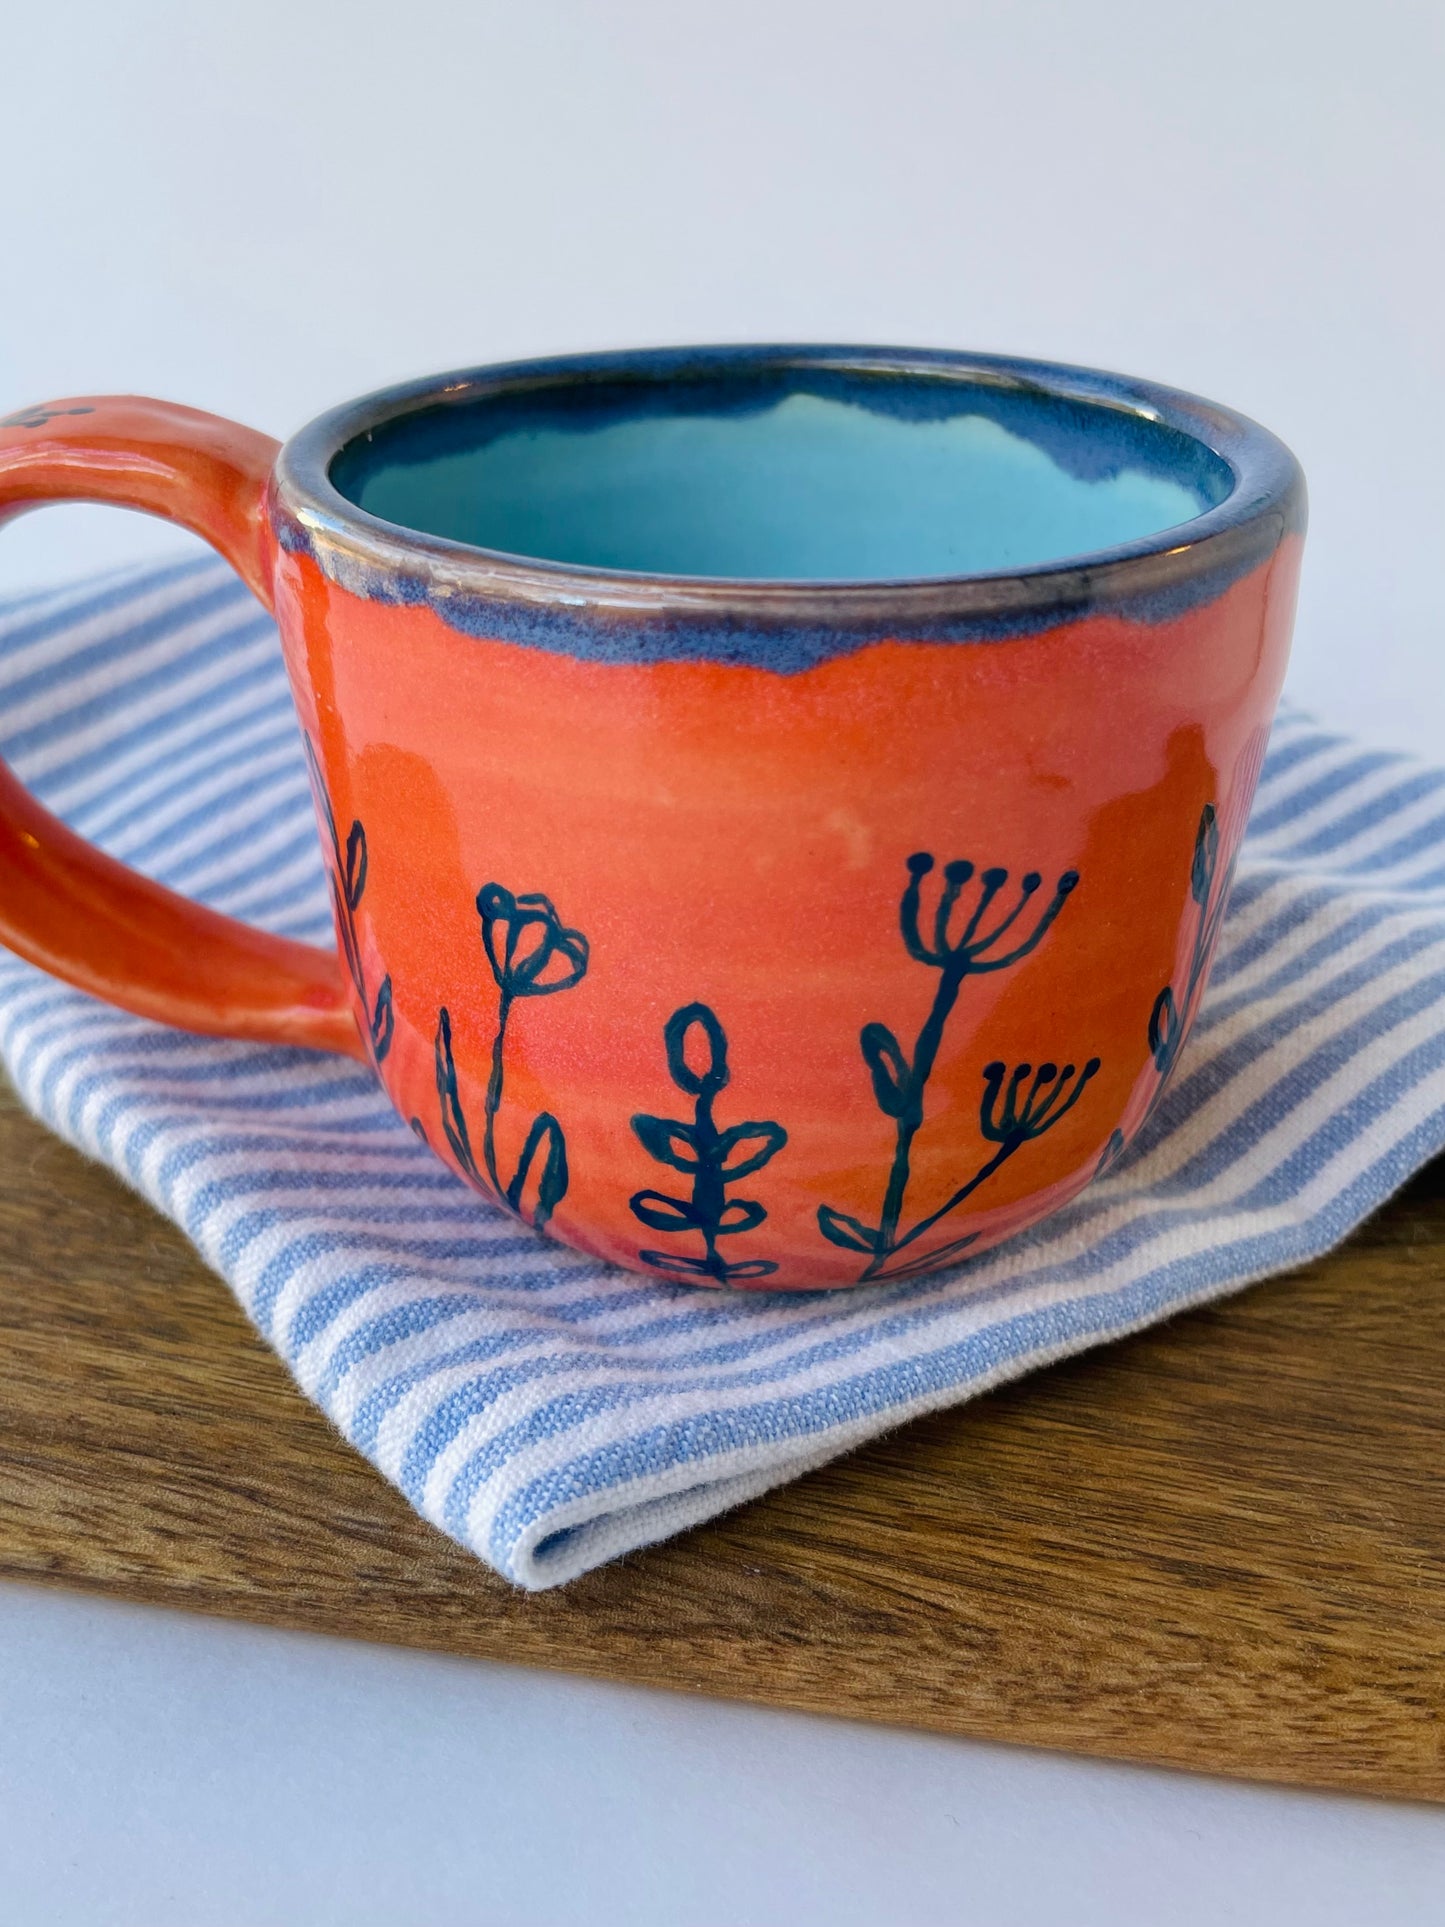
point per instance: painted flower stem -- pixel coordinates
(1170, 1018)
(494, 1093)
(531, 954)
(910, 1118)
(1016, 1121)
(875, 1269)
(900, 1079)
(708, 1195)
(347, 876)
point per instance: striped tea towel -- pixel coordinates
(549, 1411)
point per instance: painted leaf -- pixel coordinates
(929, 1260)
(748, 1268)
(355, 866)
(668, 1140)
(1206, 855)
(454, 1121)
(887, 1065)
(679, 1261)
(383, 1021)
(661, 1213)
(740, 1214)
(1163, 1027)
(1111, 1153)
(851, 1233)
(552, 1184)
(766, 1138)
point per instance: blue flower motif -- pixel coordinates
(532, 954)
(524, 939)
(968, 935)
(697, 1059)
(348, 885)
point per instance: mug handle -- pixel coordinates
(66, 906)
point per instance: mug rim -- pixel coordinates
(529, 598)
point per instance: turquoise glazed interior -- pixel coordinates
(782, 474)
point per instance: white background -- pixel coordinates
(265, 208)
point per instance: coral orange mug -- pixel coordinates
(779, 802)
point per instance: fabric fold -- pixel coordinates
(551, 1412)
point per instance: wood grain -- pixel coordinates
(1219, 1545)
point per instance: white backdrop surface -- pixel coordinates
(264, 209)
(161, 1771)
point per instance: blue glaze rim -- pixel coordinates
(620, 616)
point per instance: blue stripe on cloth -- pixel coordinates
(548, 1411)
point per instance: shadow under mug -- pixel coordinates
(779, 802)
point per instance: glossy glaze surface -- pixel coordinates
(771, 855)
(793, 475)
(70, 908)
(771, 935)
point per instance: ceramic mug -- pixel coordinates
(779, 802)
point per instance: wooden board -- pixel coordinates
(1219, 1545)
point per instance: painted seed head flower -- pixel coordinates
(531, 952)
(966, 938)
(1028, 1114)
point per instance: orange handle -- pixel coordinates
(66, 906)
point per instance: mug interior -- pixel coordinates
(782, 474)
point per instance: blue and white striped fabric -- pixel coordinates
(544, 1409)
